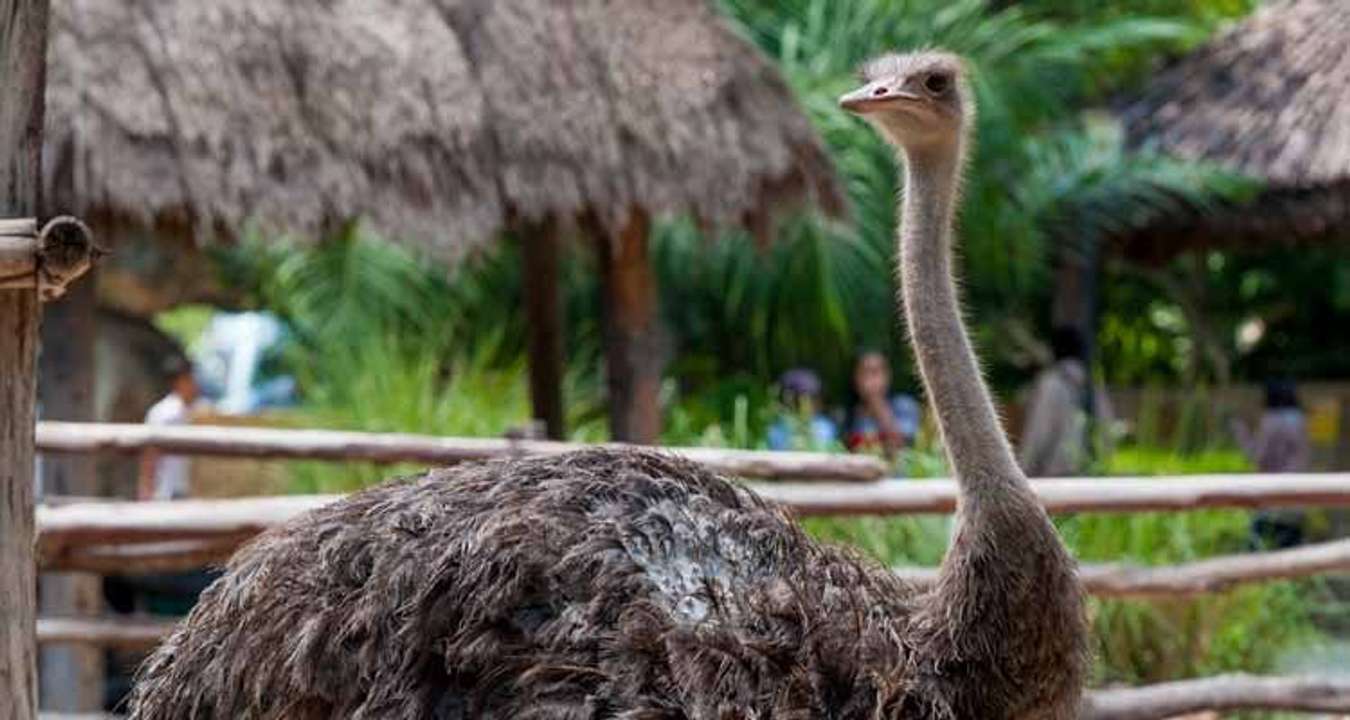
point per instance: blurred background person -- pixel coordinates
(803, 420)
(168, 477)
(1279, 445)
(878, 421)
(1064, 412)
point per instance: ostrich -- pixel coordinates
(630, 584)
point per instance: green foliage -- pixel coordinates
(1246, 629)
(1243, 629)
(185, 323)
(380, 343)
(1147, 460)
(1187, 321)
(1042, 177)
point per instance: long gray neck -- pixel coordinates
(976, 444)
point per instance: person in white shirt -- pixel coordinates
(167, 477)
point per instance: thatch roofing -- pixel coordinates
(440, 120)
(1268, 98)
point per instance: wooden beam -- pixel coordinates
(23, 58)
(1067, 495)
(83, 536)
(128, 633)
(213, 521)
(1221, 694)
(1193, 578)
(541, 259)
(145, 558)
(272, 443)
(633, 334)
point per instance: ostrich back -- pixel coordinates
(598, 584)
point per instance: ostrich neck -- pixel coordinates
(976, 445)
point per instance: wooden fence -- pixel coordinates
(110, 537)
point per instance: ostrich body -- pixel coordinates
(628, 584)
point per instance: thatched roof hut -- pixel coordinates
(1270, 99)
(443, 122)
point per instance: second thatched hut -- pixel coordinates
(1270, 99)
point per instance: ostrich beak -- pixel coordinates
(875, 96)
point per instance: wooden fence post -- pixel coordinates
(23, 57)
(71, 677)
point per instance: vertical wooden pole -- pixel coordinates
(633, 338)
(23, 57)
(71, 677)
(541, 253)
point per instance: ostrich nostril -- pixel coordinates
(879, 92)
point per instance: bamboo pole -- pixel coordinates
(1221, 694)
(278, 444)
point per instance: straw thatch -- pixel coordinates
(443, 121)
(1269, 98)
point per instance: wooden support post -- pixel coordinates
(633, 338)
(71, 677)
(23, 57)
(541, 252)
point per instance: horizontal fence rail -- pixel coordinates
(334, 445)
(169, 536)
(64, 525)
(1224, 693)
(1201, 576)
(1067, 495)
(111, 537)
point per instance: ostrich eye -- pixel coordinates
(937, 83)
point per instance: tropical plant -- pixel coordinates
(1045, 176)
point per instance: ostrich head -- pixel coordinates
(916, 100)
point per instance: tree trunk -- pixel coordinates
(633, 337)
(23, 55)
(541, 250)
(71, 677)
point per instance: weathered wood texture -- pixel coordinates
(186, 534)
(1223, 693)
(127, 633)
(23, 50)
(392, 447)
(70, 678)
(634, 351)
(1115, 494)
(1193, 578)
(541, 256)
